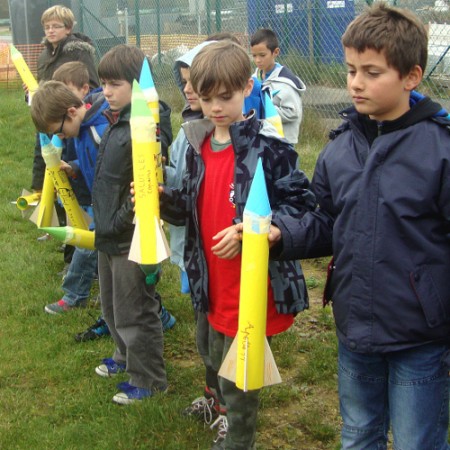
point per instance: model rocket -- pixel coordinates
(73, 236)
(249, 362)
(149, 245)
(271, 114)
(45, 213)
(51, 152)
(27, 199)
(148, 88)
(24, 71)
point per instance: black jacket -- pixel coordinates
(113, 210)
(76, 47)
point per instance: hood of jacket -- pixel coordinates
(282, 74)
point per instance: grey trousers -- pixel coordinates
(242, 407)
(131, 311)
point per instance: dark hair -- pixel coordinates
(397, 33)
(123, 62)
(267, 36)
(209, 72)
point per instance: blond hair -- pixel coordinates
(60, 13)
(50, 104)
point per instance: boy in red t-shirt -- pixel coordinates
(220, 163)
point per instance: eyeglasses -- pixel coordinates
(60, 131)
(53, 27)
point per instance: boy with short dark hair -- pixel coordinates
(129, 304)
(284, 87)
(383, 194)
(221, 162)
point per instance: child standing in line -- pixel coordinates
(129, 305)
(86, 134)
(220, 163)
(284, 87)
(383, 194)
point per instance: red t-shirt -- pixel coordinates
(216, 211)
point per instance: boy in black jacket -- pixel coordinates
(129, 305)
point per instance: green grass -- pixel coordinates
(50, 397)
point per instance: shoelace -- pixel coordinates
(202, 404)
(222, 423)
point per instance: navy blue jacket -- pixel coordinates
(384, 213)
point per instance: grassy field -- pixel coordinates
(50, 396)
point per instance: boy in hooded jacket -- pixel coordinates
(220, 164)
(383, 192)
(278, 81)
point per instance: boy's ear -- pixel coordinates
(276, 52)
(85, 89)
(72, 112)
(248, 87)
(414, 77)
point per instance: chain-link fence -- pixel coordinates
(309, 32)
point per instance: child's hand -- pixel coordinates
(274, 235)
(67, 168)
(229, 246)
(133, 192)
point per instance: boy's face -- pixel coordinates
(117, 93)
(69, 125)
(224, 108)
(79, 92)
(377, 89)
(55, 31)
(191, 96)
(263, 57)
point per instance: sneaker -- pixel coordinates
(168, 321)
(62, 306)
(221, 423)
(130, 394)
(44, 237)
(110, 368)
(95, 331)
(202, 408)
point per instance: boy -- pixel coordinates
(85, 123)
(129, 305)
(284, 87)
(382, 186)
(220, 164)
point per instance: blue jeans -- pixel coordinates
(78, 281)
(406, 389)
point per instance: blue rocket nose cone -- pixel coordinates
(258, 200)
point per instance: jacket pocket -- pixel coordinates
(429, 298)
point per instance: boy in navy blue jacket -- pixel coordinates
(383, 191)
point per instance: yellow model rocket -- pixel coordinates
(271, 114)
(73, 236)
(149, 245)
(24, 71)
(27, 199)
(45, 213)
(151, 95)
(52, 157)
(249, 362)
